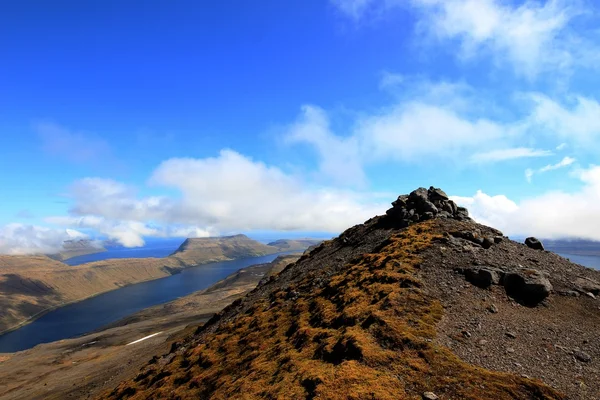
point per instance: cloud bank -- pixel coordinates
(555, 214)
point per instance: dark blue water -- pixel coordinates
(78, 318)
(153, 248)
(586, 261)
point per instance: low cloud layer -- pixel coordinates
(30, 239)
(555, 214)
(228, 193)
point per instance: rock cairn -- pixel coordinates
(424, 204)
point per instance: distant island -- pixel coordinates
(33, 285)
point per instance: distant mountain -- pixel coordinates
(575, 247)
(214, 249)
(294, 244)
(76, 248)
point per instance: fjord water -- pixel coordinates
(586, 261)
(88, 315)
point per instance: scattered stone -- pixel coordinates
(569, 293)
(430, 396)
(511, 335)
(498, 239)
(528, 286)
(590, 294)
(582, 356)
(587, 285)
(466, 334)
(492, 308)
(510, 350)
(483, 342)
(534, 243)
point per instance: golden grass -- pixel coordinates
(367, 334)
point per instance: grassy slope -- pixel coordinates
(367, 332)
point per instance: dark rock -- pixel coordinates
(581, 356)
(427, 215)
(483, 277)
(436, 194)
(462, 213)
(529, 287)
(498, 239)
(493, 308)
(534, 243)
(587, 285)
(487, 243)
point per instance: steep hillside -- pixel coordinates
(84, 366)
(30, 286)
(419, 303)
(206, 250)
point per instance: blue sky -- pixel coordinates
(139, 119)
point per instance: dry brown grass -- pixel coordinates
(366, 334)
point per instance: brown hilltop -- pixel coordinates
(419, 300)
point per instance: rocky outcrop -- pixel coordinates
(534, 243)
(425, 204)
(527, 286)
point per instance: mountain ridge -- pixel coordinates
(369, 311)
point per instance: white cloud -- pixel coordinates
(578, 125)
(429, 119)
(561, 146)
(529, 174)
(555, 214)
(129, 233)
(225, 193)
(565, 162)
(413, 130)
(31, 239)
(339, 157)
(486, 209)
(509, 154)
(531, 36)
(234, 192)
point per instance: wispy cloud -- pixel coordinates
(563, 163)
(531, 37)
(509, 154)
(77, 147)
